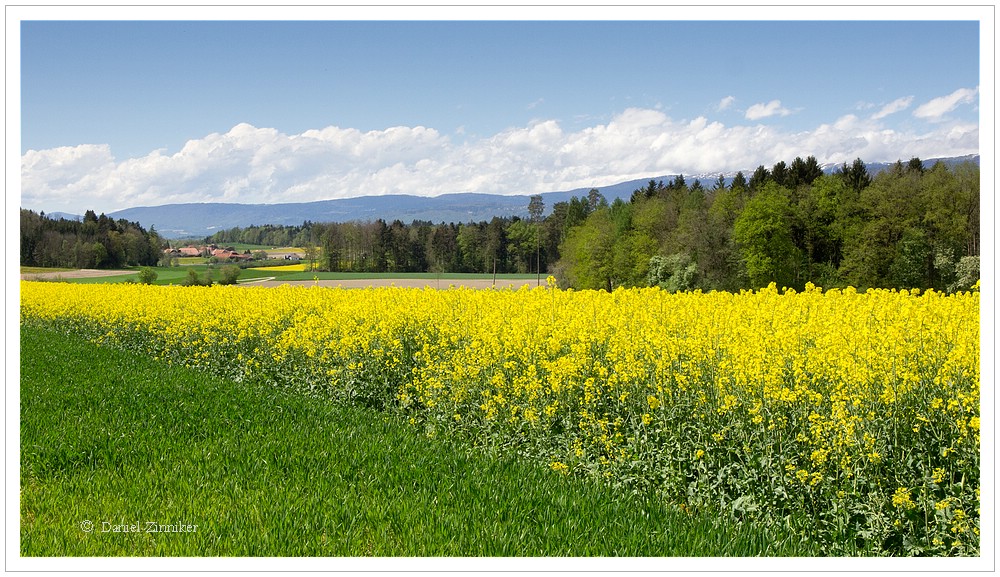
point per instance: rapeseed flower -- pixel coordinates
(838, 390)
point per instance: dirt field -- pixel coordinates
(81, 273)
(407, 283)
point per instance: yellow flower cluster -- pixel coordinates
(901, 499)
(808, 391)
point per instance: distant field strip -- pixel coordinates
(37, 273)
(286, 267)
(850, 417)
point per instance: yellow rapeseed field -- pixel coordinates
(855, 411)
(285, 267)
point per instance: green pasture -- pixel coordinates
(191, 260)
(164, 275)
(110, 440)
(177, 274)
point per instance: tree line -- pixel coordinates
(907, 227)
(502, 245)
(94, 242)
(264, 235)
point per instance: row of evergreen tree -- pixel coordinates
(93, 242)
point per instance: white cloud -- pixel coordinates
(725, 103)
(940, 106)
(262, 165)
(60, 177)
(761, 110)
(893, 107)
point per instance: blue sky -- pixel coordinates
(125, 113)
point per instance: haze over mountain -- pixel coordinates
(202, 219)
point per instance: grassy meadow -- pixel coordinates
(291, 272)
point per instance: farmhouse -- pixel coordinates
(211, 251)
(231, 255)
(183, 251)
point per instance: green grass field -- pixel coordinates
(191, 260)
(164, 275)
(112, 441)
(175, 275)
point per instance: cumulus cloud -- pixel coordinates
(725, 103)
(762, 110)
(893, 107)
(59, 177)
(249, 164)
(942, 105)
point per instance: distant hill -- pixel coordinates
(203, 219)
(65, 215)
(877, 167)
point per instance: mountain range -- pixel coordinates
(187, 220)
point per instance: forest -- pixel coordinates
(909, 226)
(94, 242)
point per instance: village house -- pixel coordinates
(230, 255)
(211, 251)
(183, 251)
